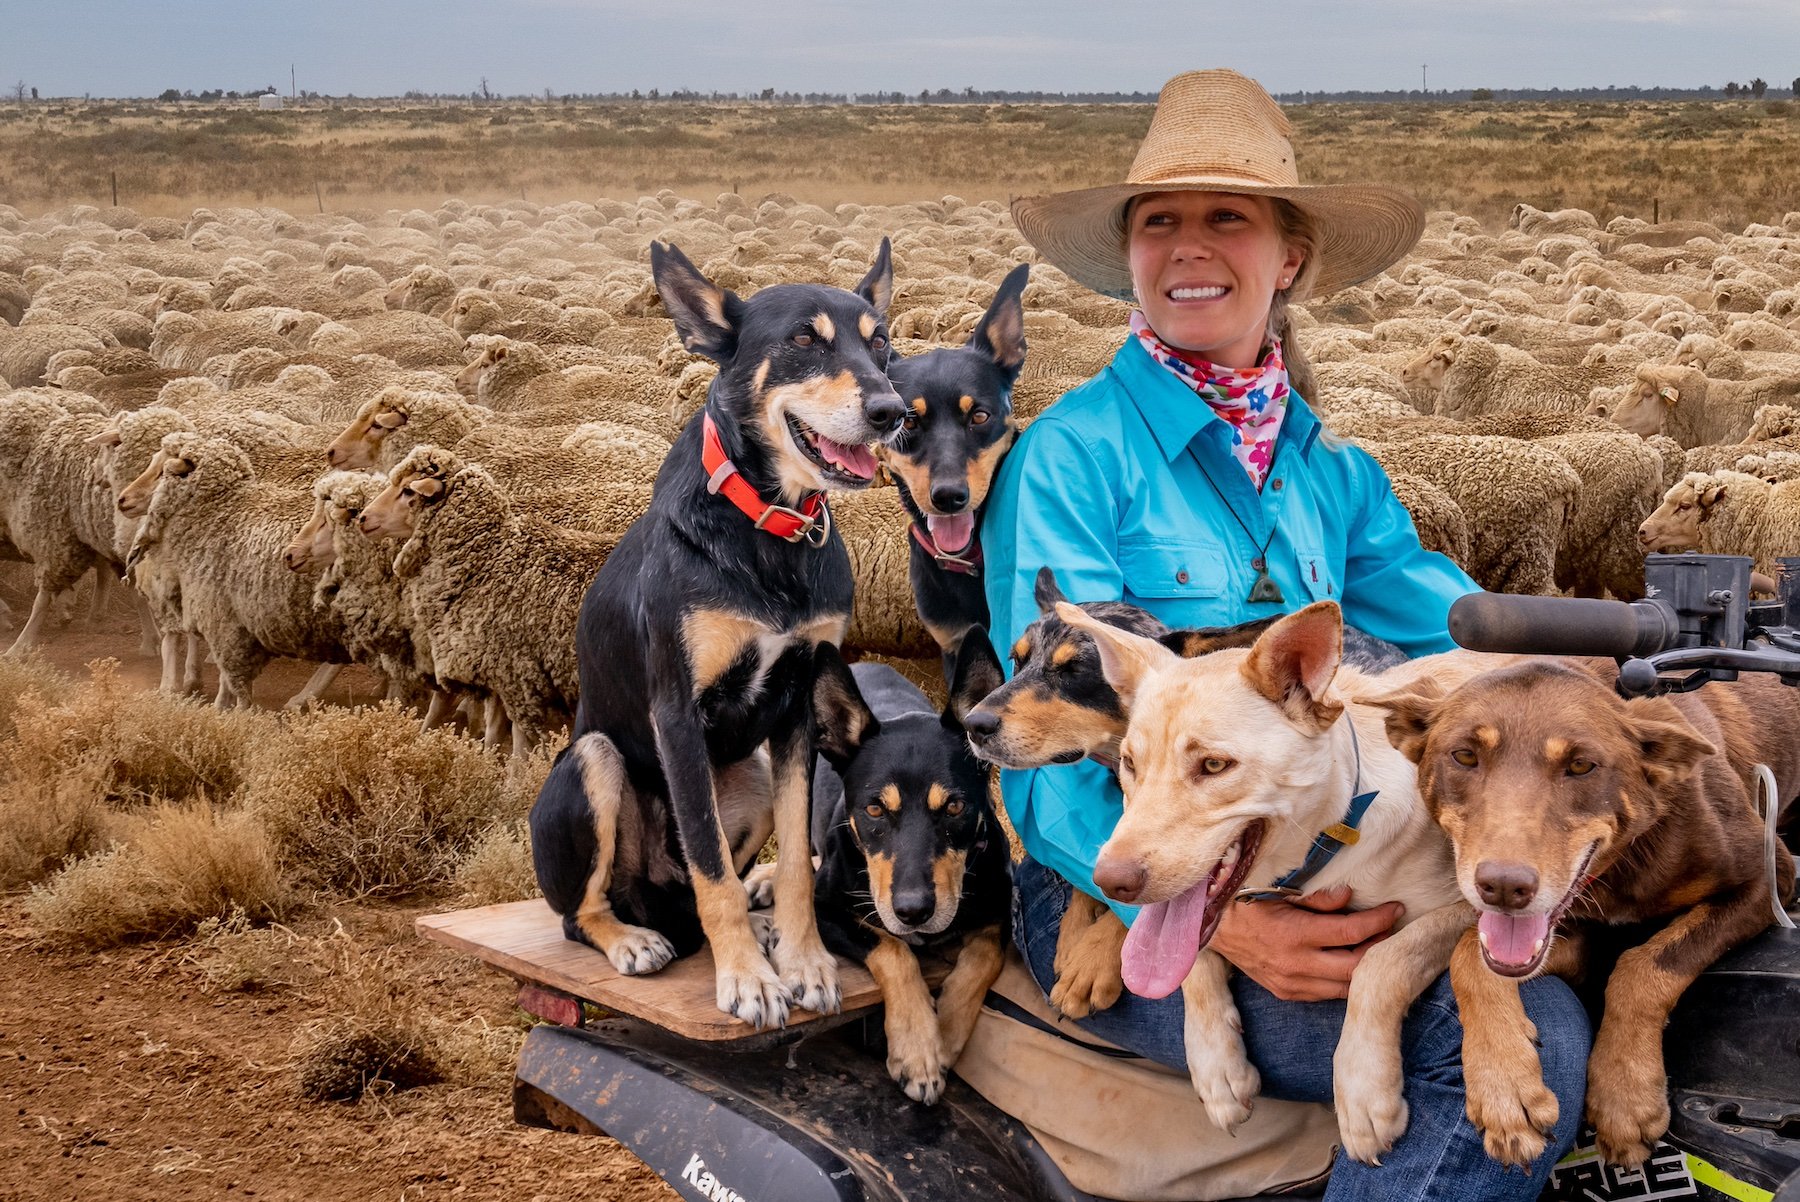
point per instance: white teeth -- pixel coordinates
(1230, 858)
(1484, 938)
(1212, 293)
(1537, 947)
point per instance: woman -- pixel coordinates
(1189, 477)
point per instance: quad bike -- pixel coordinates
(808, 1114)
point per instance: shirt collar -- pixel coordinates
(1176, 416)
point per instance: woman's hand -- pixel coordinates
(1302, 950)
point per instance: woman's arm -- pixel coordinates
(1394, 588)
(1053, 504)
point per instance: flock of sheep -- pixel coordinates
(409, 439)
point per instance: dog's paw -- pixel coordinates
(639, 950)
(1371, 1109)
(1628, 1119)
(753, 993)
(1514, 1113)
(1087, 980)
(1227, 1086)
(759, 883)
(915, 1059)
(762, 925)
(810, 974)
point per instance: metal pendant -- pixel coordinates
(1265, 589)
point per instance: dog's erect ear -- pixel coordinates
(1126, 658)
(1205, 640)
(1045, 591)
(1410, 714)
(878, 286)
(842, 719)
(1293, 662)
(976, 674)
(1000, 335)
(704, 313)
(1672, 748)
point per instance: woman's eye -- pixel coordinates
(874, 809)
(1464, 756)
(803, 339)
(978, 418)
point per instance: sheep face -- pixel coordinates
(360, 443)
(468, 380)
(1675, 525)
(1774, 421)
(1429, 369)
(134, 498)
(1645, 407)
(311, 548)
(395, 513)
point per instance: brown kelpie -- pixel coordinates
(1572, 809)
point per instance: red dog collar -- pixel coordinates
(967, 564)
(812, 521)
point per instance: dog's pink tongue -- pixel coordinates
(951, 533)
(852, 457)
(1162, 943)
(1513, 939)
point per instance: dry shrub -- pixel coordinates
(151, 745)
(498, 868)
(362, 802)
(233, 955)
(174, 867)
(28, 676)
(44, 823)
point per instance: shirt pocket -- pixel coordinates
(1172, 569)
(1316, 575)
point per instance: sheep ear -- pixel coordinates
(427, 486)
(1045, 592)
(497, 353)
(878, 286)
(1599, 409)
(1711, 496)
(391, 420)
(1001, 334)
(703, 312)
(1669, 394)
(104, 439)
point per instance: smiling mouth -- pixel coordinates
(1167, 936)
(1206, 293)
(1516, 945)
(845, 463)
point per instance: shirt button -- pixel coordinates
(1276, 483)
(1181, 577)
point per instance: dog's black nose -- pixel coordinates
(914, 906)
(1508, 886)
(949, 498)
(884, 410)
(980, 724)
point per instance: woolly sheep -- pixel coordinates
(25, 350)
(1473, 376)
(1727, 513)
(1693, 409)
(221, 532)
(1437, 517)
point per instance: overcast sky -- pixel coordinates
(384, 47)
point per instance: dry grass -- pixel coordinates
(1726, 161)
(173, 867)
(498, 867)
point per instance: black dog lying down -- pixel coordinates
(912, 856)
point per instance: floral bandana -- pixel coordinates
(1251, 400)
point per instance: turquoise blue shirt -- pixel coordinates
(1126, 487)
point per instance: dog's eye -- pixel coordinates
(910, 422)
(1580, 767)
(1125, 765)
(874, 809)
(1464, 756)
(1212, 765)
(803, 339)
(954, 806)
(878, 343)
(978, 418)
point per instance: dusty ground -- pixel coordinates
(125, 1077)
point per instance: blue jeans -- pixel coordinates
(1440, 1158)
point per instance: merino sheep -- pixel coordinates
(1727, 513)
(507, 634)
(1473, 376)
(221, 531)
(1693, 409)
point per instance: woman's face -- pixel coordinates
(1206, 266)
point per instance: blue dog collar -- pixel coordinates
(1326, 844)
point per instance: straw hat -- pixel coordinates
(1218, 131)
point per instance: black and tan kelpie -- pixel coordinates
(957, 428)
(913, 858)
(697, 644)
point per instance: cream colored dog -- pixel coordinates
(1232, 765)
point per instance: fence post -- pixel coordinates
(1655, 210)
(319, 195)
(115, 184)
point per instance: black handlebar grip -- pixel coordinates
(1559, 625)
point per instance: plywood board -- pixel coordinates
(525, 939)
